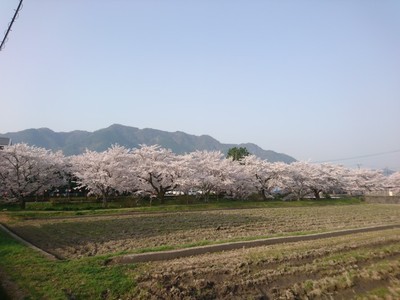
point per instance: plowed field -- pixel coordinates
(88, 236)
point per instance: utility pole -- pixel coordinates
(10, 25)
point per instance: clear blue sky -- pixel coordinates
(317, 80)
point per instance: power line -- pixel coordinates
(11, 24)
(357, 157)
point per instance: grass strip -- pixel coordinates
(40, 278)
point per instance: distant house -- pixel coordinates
(4, 141)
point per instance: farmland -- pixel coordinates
(362, 265)
(98, 235)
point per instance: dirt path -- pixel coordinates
(167, 255)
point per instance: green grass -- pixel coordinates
(86, 278)
(380, 292)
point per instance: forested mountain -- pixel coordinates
(75, 142)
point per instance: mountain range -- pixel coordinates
(75, 142)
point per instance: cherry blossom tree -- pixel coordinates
(324, 178)
(157, 169)
(303, 179)
(187, 181)
(241, 182)
(104, 173)
(296, 179)
(393, 183)
(209, 172)
(27, 170)
(362, 180)
(267, 177)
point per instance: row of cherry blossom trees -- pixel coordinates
(27, 170)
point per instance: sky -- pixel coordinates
(317, 80)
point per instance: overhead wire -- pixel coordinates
(358, 157)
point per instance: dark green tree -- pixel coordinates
(237, 153)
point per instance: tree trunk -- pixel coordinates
(262, 193)
(22, 203)
(316, 194)
(104, 201)
(161, 196)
